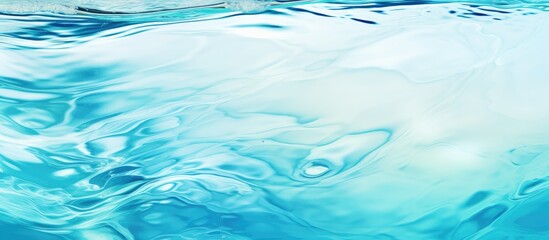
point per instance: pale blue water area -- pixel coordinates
(274, 119)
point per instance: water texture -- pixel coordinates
(274, 120)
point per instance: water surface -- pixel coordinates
(274, 120)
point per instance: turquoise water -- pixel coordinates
(274, 120)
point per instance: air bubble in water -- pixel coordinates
(314, 169)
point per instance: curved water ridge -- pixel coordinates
(307, 121)
(140, 6)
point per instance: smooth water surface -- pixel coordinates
(292, 120)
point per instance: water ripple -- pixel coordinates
(273, 120)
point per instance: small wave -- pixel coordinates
(139, 7)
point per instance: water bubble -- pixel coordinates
(314, 169)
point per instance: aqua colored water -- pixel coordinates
(274, 119)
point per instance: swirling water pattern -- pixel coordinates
(310, 120)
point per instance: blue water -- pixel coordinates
(315, 120)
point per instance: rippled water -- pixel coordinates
(298, 120)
